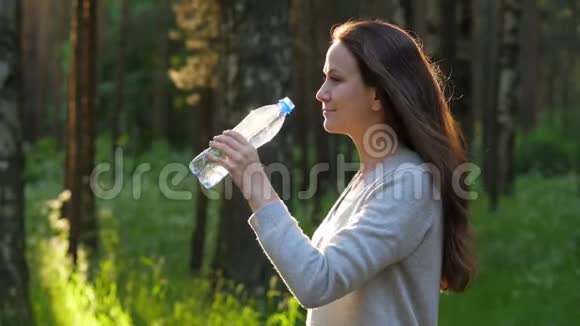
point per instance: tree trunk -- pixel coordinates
(394, 11)
(420, 19)
(44, 60)
(81, 128)
(508, 95)
(490, 34)
(465, 107)
(303, 58)
(15, 305)
(456, 27)
(117, 120)
(203, 122)
(62, 32)
(199, 28)
(568, 44)
(256, 72)
(38, 54)
(530, 36)
(328, 145)
(160, 87)
(29, 56)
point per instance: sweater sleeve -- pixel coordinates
(391, 223)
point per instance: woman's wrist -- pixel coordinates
(261, 192)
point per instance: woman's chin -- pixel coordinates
(328, 127)
(332, 128)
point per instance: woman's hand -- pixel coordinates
(244, 166)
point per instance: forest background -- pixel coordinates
(104, 103)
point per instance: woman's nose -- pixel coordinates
(322, 94)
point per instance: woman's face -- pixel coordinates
(348, 105)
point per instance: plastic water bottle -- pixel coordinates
(258, 127)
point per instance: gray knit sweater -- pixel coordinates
(375, 259)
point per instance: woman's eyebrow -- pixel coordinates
(331, 70)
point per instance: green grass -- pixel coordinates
(530, 259)
(142, 276)
(529, 249)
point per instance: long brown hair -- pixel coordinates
(410, 89)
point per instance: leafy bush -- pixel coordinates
(141, 278)
(529, 259)
(43, 160)
(63, 294)
(545, 151)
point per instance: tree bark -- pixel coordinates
(509, 79)
(81, 128)
(199, 28)
(303, 66)
(203, 122)
(160, 87)
(15, 307)
(420, 19)
(256, 72)
(62, 33)
(455, 51)
(43, 73)
(29, 55)
(117, 120)
(569, 87)
(530, 37)
(489, 36)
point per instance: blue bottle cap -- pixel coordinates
(286, 105)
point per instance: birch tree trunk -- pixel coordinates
(509, 80)
(15, 306)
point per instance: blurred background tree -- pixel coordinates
(137, 88)
(15, 306)
(81, 128)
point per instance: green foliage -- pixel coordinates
(72, 298)
(141, 276)
(545, 151)
(530, 259)
(43, 161)
(142, 60)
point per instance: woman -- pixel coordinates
(399, 233)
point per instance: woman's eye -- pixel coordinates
(332, 78)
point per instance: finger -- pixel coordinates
(246, 148)
(237, 136)
(231, 141)
(226, 150)
(222, 135)
(218, 160)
